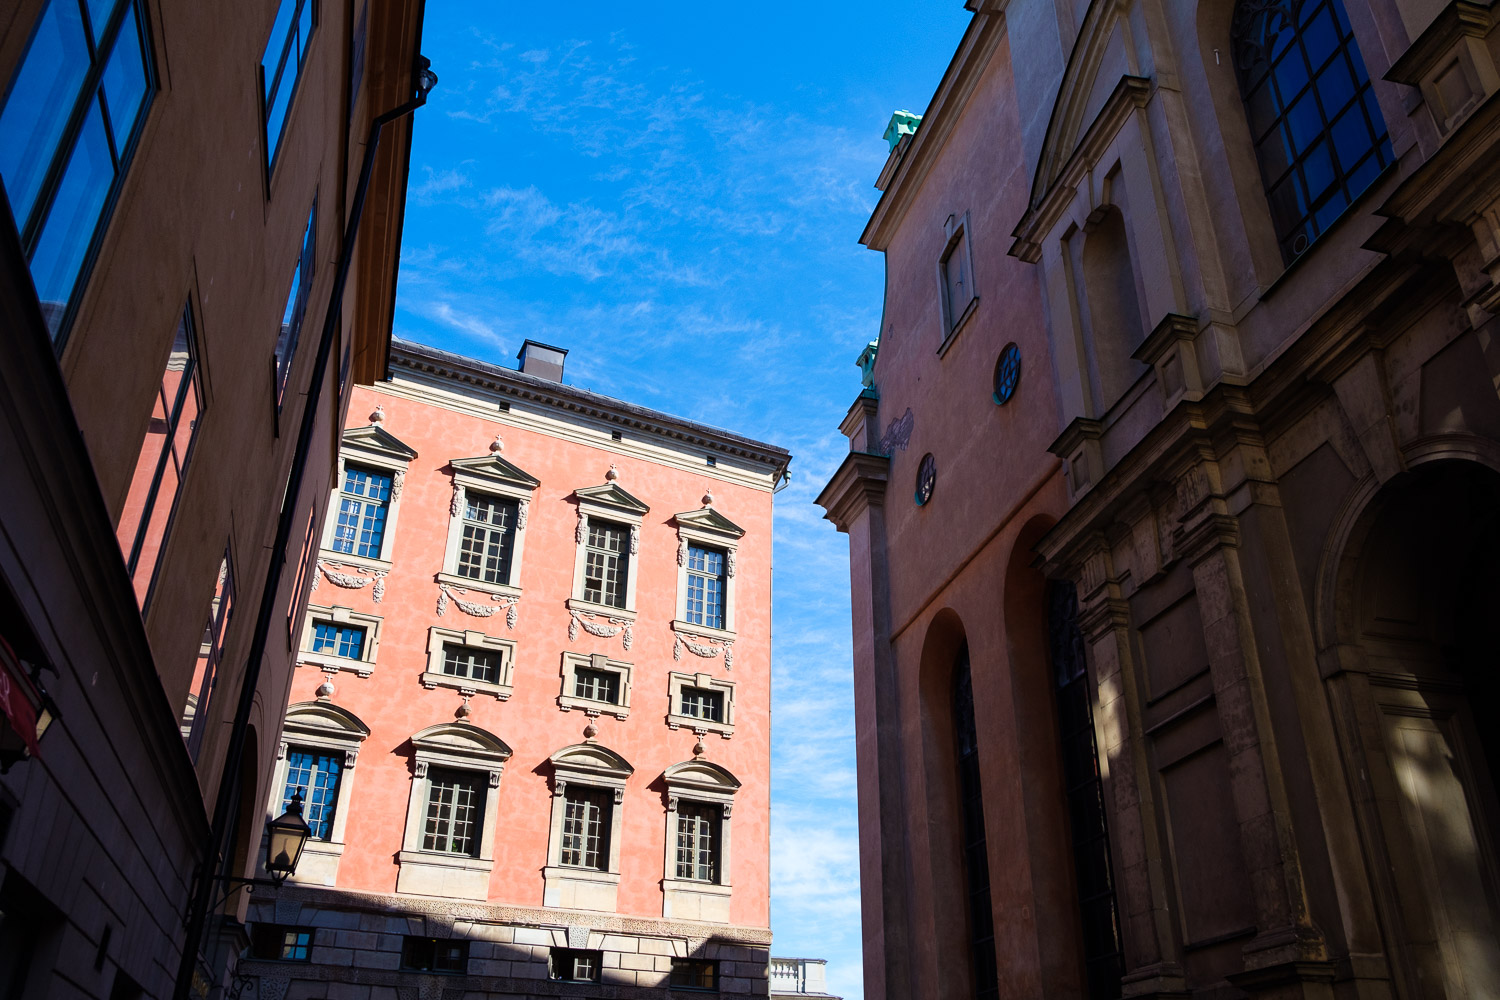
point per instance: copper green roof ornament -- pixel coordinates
(902, 123)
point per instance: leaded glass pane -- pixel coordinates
(488, 538)
(338, 640)
(317, 776)
(698, 841)
(705, 587)
(454, 806)
(585, 839)
(605, 563)
(363, 504)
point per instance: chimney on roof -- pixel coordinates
(542, 360)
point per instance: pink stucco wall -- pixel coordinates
(394, 704)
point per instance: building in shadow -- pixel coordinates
(1171, 501)
(183, 319)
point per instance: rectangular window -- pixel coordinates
(296, 307)
(698, 841)
(606, 563)
(338, 640)
(586, 818)
(694, 974)
(316, 774)
(575, 965)
(424, 954)
(162, 463)
(363, 504)
(957, 283)
(210, 655)
(705, 586)
(701, 703)
(455, 803)
(475, 664)
(281, 943)
(68, 129)
(489, 538)
(281, 66)
(596, 685)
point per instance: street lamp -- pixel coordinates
(289, 834)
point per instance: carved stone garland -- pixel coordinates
(357, 580)
(589, 622)
(510, 605)
(706, 647)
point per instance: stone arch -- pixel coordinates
(963, 940)
(1406, 599)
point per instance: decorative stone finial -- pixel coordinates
(378, 417)
(325, 690)
(464, 711)
(497, 445)
(612, 475)
(590, 731)
(698, 748)
(708, 498)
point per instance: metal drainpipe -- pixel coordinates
(204, 881)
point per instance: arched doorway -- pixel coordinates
(1420, 596)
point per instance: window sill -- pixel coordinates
(319, 864)
(568, 702)
(430, 680)
(958, 327)
(704, 631)
(468, 583)
(325, 662)
(581, 874)
(428, 873)
(443, 860)
(693, 885)
(580, 889)
(350, 559)
(675, 721)
(590, 608)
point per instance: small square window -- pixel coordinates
(467, 661)
(424, 954)
(596, 685)
(701, 703)
(712, 461)
(281, 943)
(338, 640)
(694, 974)
(575, 965)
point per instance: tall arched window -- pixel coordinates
(976, 851)
(1102, 956)
(1318, 132)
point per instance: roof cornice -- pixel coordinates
(518, 385)
(918, 154)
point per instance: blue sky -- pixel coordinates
(675, 192)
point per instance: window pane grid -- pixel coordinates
(703, 704)
(453, 806)
(317, 777)
(1308, 101)
(339, 640)
(585, 839)
(488, 539)
(362, 510)
(475, 664)
(705, 587)
(604, 564)
(697, 842)
(596, 685)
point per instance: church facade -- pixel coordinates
(1172, 506)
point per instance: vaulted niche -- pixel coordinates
(975, 847)
(1114, 307)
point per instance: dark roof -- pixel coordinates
(508, 381)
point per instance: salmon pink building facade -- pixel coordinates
(531, 715)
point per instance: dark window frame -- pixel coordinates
(216, 631)
(264, 937)
(707, 600)
(599, 553)
(320, 798)
(267, 98)
(339, 628)
(574, 851)
(419, 954)
(686, 970)
(293, 315)
(90, 92)
(488, 532)
(1285, 86)
(495, 656)
(700, 832)
(476, 783)
(702, 697)
(568, 958)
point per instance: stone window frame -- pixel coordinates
(494, 476)
(676, 681)
(319, 725)
(567, 701)
(704, 782)
(458, 746)
(956, 229)
(329, 663)
(377, 448)
(434, 677)
(595, 766)
(610, 503)
(708, 528)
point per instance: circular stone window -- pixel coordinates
(926, 479)
(1007, 373)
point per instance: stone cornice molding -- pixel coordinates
(919, 153)
(1460, 18)
(858, 484)
(1056, 177)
